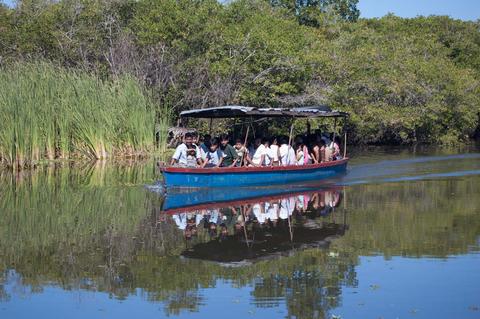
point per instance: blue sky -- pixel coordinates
(459, 9)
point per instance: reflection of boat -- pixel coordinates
(255, 176)
(260, 227)
(176, 200)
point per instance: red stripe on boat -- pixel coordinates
(248, 169)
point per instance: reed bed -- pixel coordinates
(47, 112)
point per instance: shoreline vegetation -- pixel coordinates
(49, 113)
(104, 79)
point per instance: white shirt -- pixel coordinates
(180, 220)
(257, 156)
(301, 158)
(287, 206)
(214, 215)
(257, 210)
(272, 211)
(181, 153)
(287, 155)
(274, 152)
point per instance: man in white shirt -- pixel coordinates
(257, 154)
(186, 154)
(287, 154)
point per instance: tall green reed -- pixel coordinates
(53, 113)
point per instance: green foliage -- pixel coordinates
(404, 80)
(49, 112)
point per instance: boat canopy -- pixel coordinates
(238, 111)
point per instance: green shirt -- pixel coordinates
(229, 155)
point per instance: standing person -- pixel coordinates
(242, 152)
(256, 156)
(186, 153)
(230, 157)
(214, 156)
(286, 152)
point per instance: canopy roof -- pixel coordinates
(235, 111)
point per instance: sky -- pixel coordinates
(458, 9)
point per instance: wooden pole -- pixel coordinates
(345, 145)
(242, 208)
(290, 228)
(210, 126)
(334, 129)
(245, 146)
(290, 141)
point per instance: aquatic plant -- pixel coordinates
(49, 112)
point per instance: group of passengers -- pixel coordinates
(275, 151)
(271, 213)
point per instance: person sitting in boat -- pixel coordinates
(302, 154)
(242, 152)
(274, 151)
(230, 157)
(299, 154)
(186, 154)
(256, 156)
(335, 145)
(214, 157)
(269, 153)
(205, 145)
(317, 149)
(286, 152)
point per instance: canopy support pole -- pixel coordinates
(334, 129)
(245, 146)
(210, 126)
(290, 140)
(345, 139)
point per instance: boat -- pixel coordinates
(184, 177)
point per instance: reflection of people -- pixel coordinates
(259, 212)
(287, 206)
(180, 220)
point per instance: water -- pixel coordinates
(397, 237)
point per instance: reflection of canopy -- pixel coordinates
(232, 111)
(274, 243)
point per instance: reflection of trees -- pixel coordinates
(307, 293)
(70, 231)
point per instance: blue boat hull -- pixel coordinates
(239, 177)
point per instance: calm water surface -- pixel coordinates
(397, 237)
